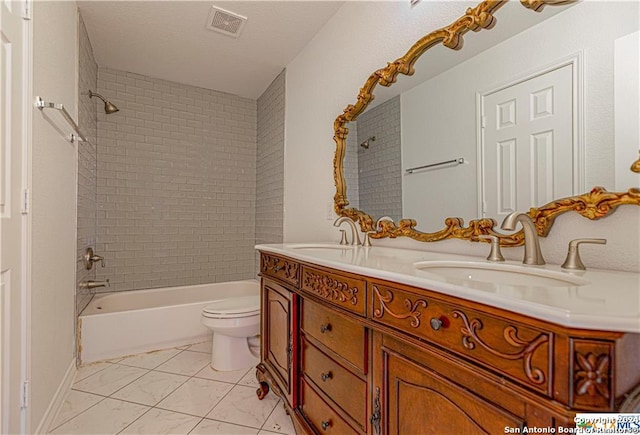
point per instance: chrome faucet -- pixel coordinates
(532, 253)
(91, 284)
(355, 238)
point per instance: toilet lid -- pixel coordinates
(233, 307)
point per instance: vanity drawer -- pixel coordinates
(519, 351)
(321, 416)
(347, 390)
(281, 268)
(336, 332)
(343, 291)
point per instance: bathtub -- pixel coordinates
(129, 322)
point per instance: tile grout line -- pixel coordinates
(110, 395)
(81, 412)
(189, 377)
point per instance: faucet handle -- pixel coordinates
(343, 237)
(367, 239)
(97, 258)
(90, 258)
(573, 260)
(495, 254)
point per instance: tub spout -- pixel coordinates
(91, 284)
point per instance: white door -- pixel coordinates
(528, 143)
(13, 107)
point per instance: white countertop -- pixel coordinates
(608, 300)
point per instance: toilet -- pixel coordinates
(235, 323)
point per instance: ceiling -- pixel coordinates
(169, 40)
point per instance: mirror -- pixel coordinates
(565, 75)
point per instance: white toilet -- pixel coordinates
(235, 323)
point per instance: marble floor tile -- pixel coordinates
(195, 397)
(279, 421)
(90, 369)
(232, 377)
(109, 416)
(215, 427)
(242, 406)
(149, 360)
(109, 380)
(159, 421)
(75, 402)
(185, 363)
(151, 388)
(204, 347)
(250, 379)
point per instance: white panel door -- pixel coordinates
(528, 143)
(626, 68)
(12, 212)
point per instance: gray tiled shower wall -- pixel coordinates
(270, 164)
(351, 165)
(87, 182)
(379, 167)
(176, 190)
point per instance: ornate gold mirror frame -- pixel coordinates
(593, 205)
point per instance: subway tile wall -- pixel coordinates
(379, 167)
(176, 189)
(351, 165)
(270, 164)
(87, 187)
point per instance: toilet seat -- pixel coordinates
(244, 306)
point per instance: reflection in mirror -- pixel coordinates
(534, 118)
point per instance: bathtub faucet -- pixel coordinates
(90, 284)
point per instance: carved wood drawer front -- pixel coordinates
(282, 268)
(517, 350)
(321, 416)
(345, 292)
(336, 332)
(348, 391)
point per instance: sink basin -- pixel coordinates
(320, 246)
(468, 273)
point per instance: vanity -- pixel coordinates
(378, 340)
(371, 340)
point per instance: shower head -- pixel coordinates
(366, 143)
(109, 107)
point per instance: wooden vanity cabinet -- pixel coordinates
(422, 392)
(277, 339)
(353, 354)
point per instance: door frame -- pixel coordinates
(23, 332)
(576, 61)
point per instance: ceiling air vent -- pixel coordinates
(225, 22)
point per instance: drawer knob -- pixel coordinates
(325, 424)
(435, 324)
(326, 376)
(325, 328)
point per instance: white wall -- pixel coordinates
(321, 81)
(326, 76)
(53, 205)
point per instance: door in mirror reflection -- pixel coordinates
(527, 146)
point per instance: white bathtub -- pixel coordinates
(130, 322)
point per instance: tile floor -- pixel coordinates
(172, 391)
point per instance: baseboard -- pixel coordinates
(58, 400)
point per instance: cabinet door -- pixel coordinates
(417, 399)
(277, 339)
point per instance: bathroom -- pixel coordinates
(315, 86)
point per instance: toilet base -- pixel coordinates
(231, 353)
